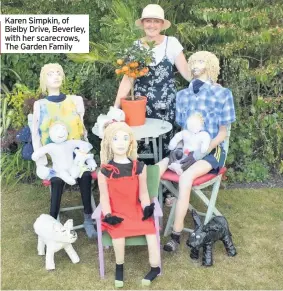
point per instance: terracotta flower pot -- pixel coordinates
(134, 110)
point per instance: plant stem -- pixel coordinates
(132, 90)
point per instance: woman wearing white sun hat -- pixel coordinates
(159, 84)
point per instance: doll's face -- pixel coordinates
(58, 133)
(198, 68)
(120, 143)
(54, 78)
(152, 26)
(194, 124)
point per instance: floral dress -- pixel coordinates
(159, 87)
(65, 112)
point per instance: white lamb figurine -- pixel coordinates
(52, 234)
(195, 142)
(61, 152)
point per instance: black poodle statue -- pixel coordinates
(206, 235)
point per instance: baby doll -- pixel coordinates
(195, 144)
(124, 197)
(61, 151)
(82, 162)
(113, 114)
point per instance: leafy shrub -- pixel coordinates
(15, 169)
(16, 100)
(256, 147)
(245, 35)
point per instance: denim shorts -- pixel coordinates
(216, 158)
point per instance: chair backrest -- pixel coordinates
(153, 177)
(226, 141)
(30, 117)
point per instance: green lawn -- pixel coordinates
(256, 222)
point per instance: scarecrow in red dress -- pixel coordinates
(124, 197)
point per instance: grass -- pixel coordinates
(256, 222)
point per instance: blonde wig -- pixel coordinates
(106, 153)
(43, 74)
(211, 62)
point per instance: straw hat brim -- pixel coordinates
(166, 23)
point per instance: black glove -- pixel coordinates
(187, 161)
(148, 211)
(113, 220)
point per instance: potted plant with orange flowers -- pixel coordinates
(134, 62)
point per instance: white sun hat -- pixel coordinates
(153, 11)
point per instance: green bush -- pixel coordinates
(15, 169)
(245, 35)
(17, 100)
(256, 143)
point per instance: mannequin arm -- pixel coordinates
(124, 89)
(219, 138)
(143, 191)
(82, 145)
(36, 143)
(47, 149)
(78, 100)
(204, 139)
(104, 195)
(175, 140)
(35, 126)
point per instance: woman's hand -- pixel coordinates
(124, 89)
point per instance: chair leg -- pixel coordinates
(100, 248)
(211, 205)
(170, 221)
(93, 206)
(205, 200)
(160, 197)
(168, 185)
(156, 222)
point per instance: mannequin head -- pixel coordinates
(58, 132)
(118, 142)
(204, 65)
(51, 78)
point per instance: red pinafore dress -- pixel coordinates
(124, 202)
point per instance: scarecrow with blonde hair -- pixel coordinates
(214, 103)
(124, 197)
(69, 110)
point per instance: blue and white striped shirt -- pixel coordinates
(213, 102)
